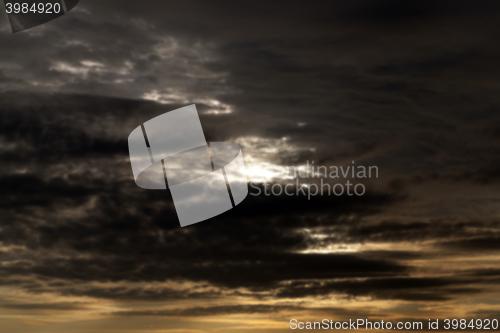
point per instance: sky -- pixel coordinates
(408, 86)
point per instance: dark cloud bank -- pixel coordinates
(408, 86)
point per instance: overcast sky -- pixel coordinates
(409, 86)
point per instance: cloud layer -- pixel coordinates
(409, 87)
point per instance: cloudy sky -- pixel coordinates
(409, 86)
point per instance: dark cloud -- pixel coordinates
(404, 288)
(437, 230)
(135, 294)
(410, 87)
(237, 309)
(45, 306)
(211, 311)
(487, 243)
